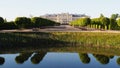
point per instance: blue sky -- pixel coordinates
(10, 9)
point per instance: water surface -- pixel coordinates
(59, 60)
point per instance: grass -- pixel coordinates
(89, 39)
(97, 39)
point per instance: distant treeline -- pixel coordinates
(112, 23)
(24, 22)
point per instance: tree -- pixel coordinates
(1, 20)
(114, 16)
(101, 16)
(105, 22)
(95, 23)
(81, 22)
(8, 25)
(113, 24)
(118, 22)
(87, 21)
(38, 22)
(23, 22)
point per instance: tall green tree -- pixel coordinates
(114, 16)
(101, 16)
(95, 23)
(105, 22)
(118, 22)
(87, 20)
(113, 24)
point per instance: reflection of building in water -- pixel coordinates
(63, 18)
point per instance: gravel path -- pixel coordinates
(62, 28)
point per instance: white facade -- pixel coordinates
(63, 18)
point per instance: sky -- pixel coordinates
(10, 9)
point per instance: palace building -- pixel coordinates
(63, 18)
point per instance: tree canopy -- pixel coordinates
(25, 22)
(81, 22)
(101, 22)
(114, 16)
(1, 20)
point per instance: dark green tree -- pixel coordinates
(87, 21)
(23, 22)
(8, 25)
(1, 20)
(39, 22)
(105, 22)
(113, 24)
(36, 21)
(101, 16)
(114, 16)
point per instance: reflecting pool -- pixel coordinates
(58, 60)
(59, 50)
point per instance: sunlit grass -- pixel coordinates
(98, 39)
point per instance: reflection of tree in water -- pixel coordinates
(35, 59)
(111, 57)
(38, 57)
(22, 57)
(2, 60)
(118, 61)
(102, 58)
(84, 58)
